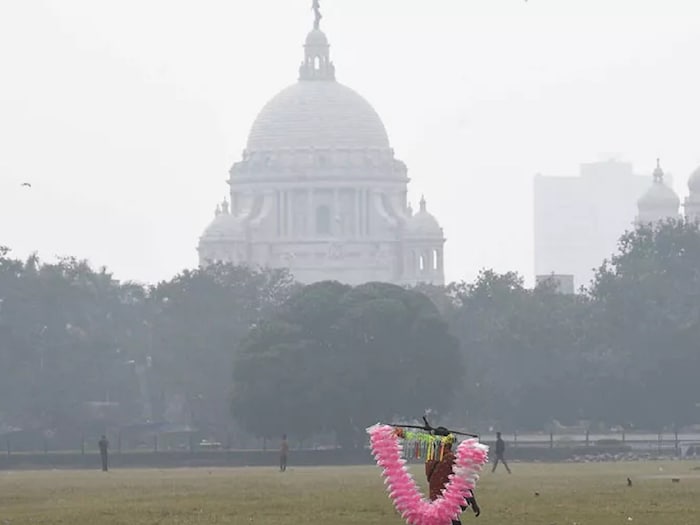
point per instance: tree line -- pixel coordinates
(232, 347)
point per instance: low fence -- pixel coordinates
(182, 459)
(168, 453)
(641, 442)
(11, 444)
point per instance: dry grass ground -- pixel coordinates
(586, 494)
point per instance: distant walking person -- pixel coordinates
(284, 451)
(500, 453)
(104, 453)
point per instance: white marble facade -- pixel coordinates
(692, 201)
(318, 190)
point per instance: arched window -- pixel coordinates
(323, 220)
(435, 259)
(317, 63)
(421, 263)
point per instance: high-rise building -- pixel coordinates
(319, 191)
(578, 220)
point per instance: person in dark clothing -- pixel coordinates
(500, 453)
(104, 453)
(284, 451)
(438, 474)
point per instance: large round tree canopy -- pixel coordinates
(338, 359)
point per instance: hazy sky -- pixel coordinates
(126, 115)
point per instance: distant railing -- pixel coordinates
(642, 442)
(637, 441)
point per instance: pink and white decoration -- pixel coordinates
(387, 449)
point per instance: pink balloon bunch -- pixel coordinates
(471, 456)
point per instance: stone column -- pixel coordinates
(358, 214)
(278, 197)
(335, 225)
(311, 216)
(288, 199)
(368, 211)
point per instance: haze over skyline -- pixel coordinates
(126, 117)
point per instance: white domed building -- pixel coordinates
(319, 190)
(660, 202)
(692, 201)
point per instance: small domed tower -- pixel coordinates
(224, 232)
(659, 202)
(317, 63)
(692, 202)
(424, 248)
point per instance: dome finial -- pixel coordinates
(317, 63)
(658, 172)
(316, 6)
(423, 205)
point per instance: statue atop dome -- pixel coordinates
(317, 63)
(316, 6)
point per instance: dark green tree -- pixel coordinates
(338, 359)
(196, 319)
(523, 348)
(648, 297)
(60, 348)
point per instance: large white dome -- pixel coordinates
(659, 195)
(321, 114)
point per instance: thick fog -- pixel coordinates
(125, 116)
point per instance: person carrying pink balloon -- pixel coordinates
(459, 469)
(438, 471)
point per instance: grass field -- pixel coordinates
(572, 494)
